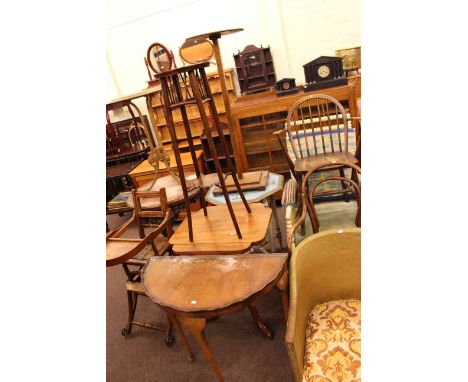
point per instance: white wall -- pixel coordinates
(297, 31)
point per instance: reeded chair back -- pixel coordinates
(324, 267)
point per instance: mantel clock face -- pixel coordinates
(323, 71)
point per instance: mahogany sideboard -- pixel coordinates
(257, 116)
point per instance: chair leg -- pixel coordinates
(344, 186)
(127, 329)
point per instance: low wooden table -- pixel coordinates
(275, 183)
(215, 233)
(196, 288)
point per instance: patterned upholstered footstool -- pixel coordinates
(333, 342)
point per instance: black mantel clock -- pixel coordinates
(286, 86)
(324, 72)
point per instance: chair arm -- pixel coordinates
(120, 230)
(284, 150)
(289, 197)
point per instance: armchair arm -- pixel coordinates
(120, 230)
(284, 150)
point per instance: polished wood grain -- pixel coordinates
(207, 283)
(215, 232)
(197, 288)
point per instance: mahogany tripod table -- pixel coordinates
(197, 288)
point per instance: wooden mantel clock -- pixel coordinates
(324, 72)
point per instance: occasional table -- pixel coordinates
(215, 233)
(197, 288)
(275, 183)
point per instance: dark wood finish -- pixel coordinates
(258, 116)
(118, 179)
(158, 119)
(307, 197)
(128, 136)
(255, 69)
(286, 86)
(229, 283)
(208, 158)
(158, 58)
(200, 95)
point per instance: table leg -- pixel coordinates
(181, 334)
(283, 287)
(196, 326)
(256, 317)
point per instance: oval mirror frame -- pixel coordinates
(195, 51)
(159, 58)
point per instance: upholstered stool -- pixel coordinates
(333, 342)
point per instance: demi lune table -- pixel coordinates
(197, 288)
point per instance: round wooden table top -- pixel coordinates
(210, 283)
(173, 188)
(216, 34)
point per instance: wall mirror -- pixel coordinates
(159, 58)
(196, 50)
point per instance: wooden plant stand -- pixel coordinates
(188, 87)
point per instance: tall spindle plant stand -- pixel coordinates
(187, 87)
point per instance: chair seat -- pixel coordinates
(333, 342)
(307, 163)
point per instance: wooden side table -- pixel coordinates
(213, 234)
(274, 184)
(196, 288)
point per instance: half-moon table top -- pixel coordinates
(210, 283)
(216, 34)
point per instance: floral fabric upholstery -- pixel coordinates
(333, 343)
